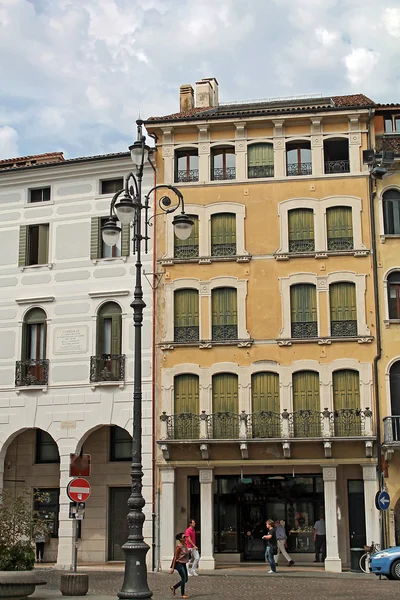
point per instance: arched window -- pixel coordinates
(188, 248)
(223, 234)
(336, 156)
(186, 407)
(306, 404)
(223, 163)
(303, 308)
(224, 314)
(33, 367)
(225, 403)
(301, 230)
(186, 315)
(260, 161)
(393, 288)
(339, 226)
(391, 212)
(298, 158)
(346, 402)
(395, 390)
(343, 309)
(186, 165)
(109, 363)
(265, 405)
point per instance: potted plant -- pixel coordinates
(19, 522)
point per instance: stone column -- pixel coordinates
(206, 477)
(204, 155)
(332, 562)
(240, 151)
(279, 149)
(168, 156)
(167, 518)
(66, 532)
(371, 514)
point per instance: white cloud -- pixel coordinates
(327, 38)
(391, 20)
(8, 142)
(359, 63)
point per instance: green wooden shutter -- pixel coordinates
(303, 303)
(116, 332)
(186, 308)
(193, 239)
(224, 306)
(346, 402)
(225, 393)
(339, 226)
(125, 239)
(223, 228)
(23, 245)
(342, 298)
(95, 232)
(186, 394)
(43, 245)
(306, 391)
(260, 155)
(265, 392)
(301, 230)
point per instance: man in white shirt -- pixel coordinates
(320, 539)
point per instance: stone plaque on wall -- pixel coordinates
(71, 340)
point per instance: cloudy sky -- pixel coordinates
(76, 73)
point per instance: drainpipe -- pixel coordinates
(378, 355)
(153, 385)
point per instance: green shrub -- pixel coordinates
(20, 557)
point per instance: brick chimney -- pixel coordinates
(186, 97)
(207, 92)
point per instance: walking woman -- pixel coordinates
(179, 562)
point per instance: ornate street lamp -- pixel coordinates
(126, 207)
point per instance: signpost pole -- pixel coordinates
(76, 545)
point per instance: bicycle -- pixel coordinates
(366, 558)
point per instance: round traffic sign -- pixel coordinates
(78, 490)
(382, 500)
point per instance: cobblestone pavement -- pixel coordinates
(236, 584)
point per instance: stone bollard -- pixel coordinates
(74, 584)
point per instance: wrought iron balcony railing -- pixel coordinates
(389, 141)
(344, 328)
(186, 334)
(32, 372)
(223, 249)
(340, 244)
(299, 169)
(391, 430)
(188, 251)
(260, 171)
(305, 330)
(222, 333)
(341, 423)
(301, 246)
(186, 175)
(221, 174)
(107, 367)
(337, 166)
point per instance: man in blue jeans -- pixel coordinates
(272, 546)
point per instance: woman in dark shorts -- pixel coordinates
(179, 562)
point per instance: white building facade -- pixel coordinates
(66, 351)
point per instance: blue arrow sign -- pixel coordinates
(383, 500)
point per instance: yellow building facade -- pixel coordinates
(265, 327)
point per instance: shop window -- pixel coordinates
(223, 234)
(186, 420)
(46, 448)
(39, 195)
(301, 230)
(343, 309)
(391, 212)
(111, 186)
(339, 226)
(393, 287)
(47, 508)
(120, 444)
(346, 402)
(224, 314)
(298, 158)
(188, 248)
(186, 165)
(306, 404)
(186, 315)
(303, 307)
(260, 159)
(223, 164)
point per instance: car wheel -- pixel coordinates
(395, 569)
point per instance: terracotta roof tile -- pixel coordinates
(66, 161)
(57, 156)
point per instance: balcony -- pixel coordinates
(186, 175)
(107, 368)
(299, 426)
(337, 166)
(223, 174)
(389, 141)
(223, 333)
(186, 334)
(260, 171)
(344, 329)
(186, 251)
(343, 244)
(304, 168)
(305, 330)
(223, 249)
(31, 372)
(300, 246)
(391, 430)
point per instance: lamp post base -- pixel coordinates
(135, 578)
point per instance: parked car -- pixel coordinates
(386, 562)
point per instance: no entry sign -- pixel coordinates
(78, 490)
